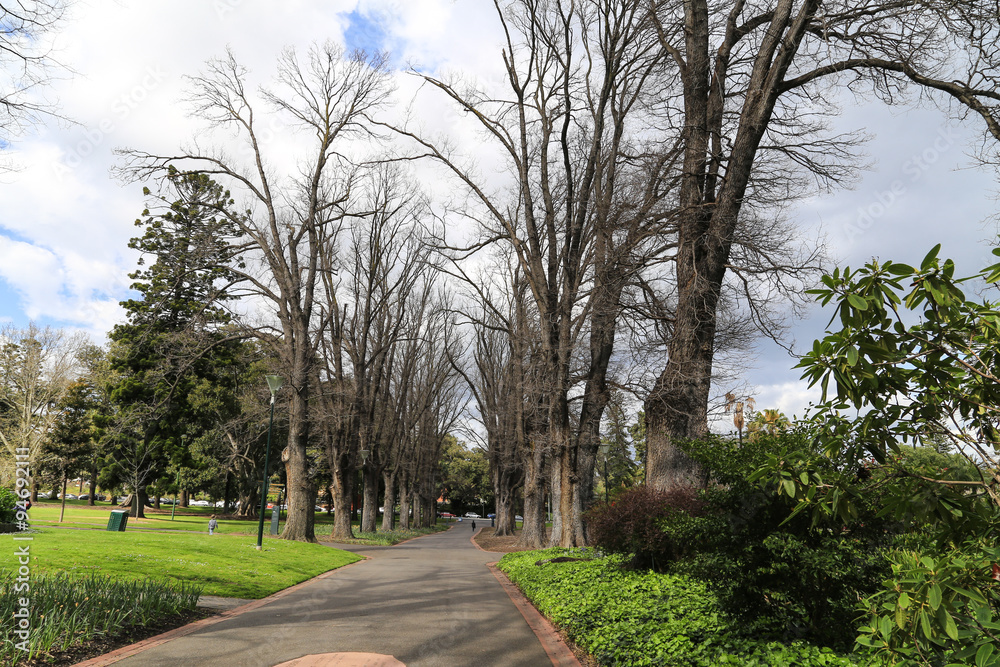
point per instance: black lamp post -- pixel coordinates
(274, 384)
(605, 448)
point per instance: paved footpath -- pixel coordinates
(431, 601)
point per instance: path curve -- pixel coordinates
(431, 601)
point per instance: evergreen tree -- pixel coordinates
(175, 337)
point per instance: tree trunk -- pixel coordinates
(93, 487)
(300, 525)
(404, 505)
(62, 506)
(225, 493)
(138, 503)
(184, 501)
(389, 502)
(342, 492)
(533, 527)
(503, 492)
(369, 506)
(156, 502)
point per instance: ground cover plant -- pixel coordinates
(226, 565)
(67, 611)
(632, 618)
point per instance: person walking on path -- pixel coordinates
(212, 525)
(473, 525)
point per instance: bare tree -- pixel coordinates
(754, 82)
(286, 223)
(573, 127)
(25, 62)
(36, 367)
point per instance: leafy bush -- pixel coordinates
(779, 575)
(938, 610)
(8, 505)
(633, 523)
(632, 618)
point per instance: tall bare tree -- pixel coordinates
(286, 222)
(754, 82)
(25, 62)
(36, 366)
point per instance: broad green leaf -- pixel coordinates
(950, 628)
(934, 597)
(857, 302)
(852, 356)
(789, 487)
(899, 269)
(904, 600)
(925, 624)
(930, 257)
(983, 655)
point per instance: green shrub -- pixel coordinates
(632, 524)
(938, 609)
(778, 575)
(8, 505)
(633, 618)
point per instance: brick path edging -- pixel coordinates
(559, 653)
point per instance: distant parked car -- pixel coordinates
(199, 503)
(490, 515)
(447, 515)
(471, 515)
(85, 496)
(519, 518)
(70, 496)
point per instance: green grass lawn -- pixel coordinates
(80, 515)
(226, 565)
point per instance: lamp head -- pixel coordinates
(274, 384)
(364, 455)
(605, 448)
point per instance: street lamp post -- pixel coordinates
(176, 489)
(605, 447)
(274, 384)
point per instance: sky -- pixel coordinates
(65, 220)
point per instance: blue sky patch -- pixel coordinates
(365, 33)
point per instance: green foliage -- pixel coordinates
(632, 618)
(66, 611)
(909, 383)
(942, 609)
(8, 505)
(932, 382)
(465, 476)
(778, 575)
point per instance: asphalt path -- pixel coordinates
(427, 602)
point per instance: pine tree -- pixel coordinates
(175, 337)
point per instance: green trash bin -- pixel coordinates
(117, 520)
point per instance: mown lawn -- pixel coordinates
(226, 565)
(80, 515)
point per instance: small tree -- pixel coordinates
(73, 438)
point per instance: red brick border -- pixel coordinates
(559, 653)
